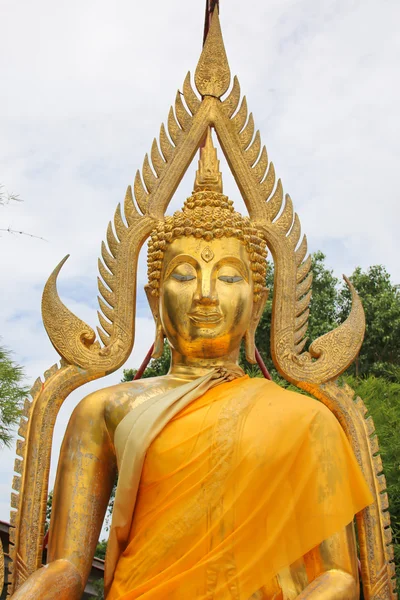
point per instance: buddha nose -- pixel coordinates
(206, 293)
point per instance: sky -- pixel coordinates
(85, 86)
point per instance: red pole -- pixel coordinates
(210, 5)
(262, 366)
(144, 364)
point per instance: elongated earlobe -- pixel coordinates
(159, 341)
(250, 335)
(250, 346)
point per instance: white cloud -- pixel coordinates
(85, 86)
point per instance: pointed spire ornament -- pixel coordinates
(213, 76)
(208, 175)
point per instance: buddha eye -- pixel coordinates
(230, 278)
(180, 277)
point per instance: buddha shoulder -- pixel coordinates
(111, 404)
(119, 400)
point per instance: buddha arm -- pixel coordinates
(85, 476)
(334, 569)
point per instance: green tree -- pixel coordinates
(380, 352)
(324, 299)
(382, 398)
(98, 586)
(101, 549)
(12, 394)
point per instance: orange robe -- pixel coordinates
(241, 483)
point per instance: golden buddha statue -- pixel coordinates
(228, 487)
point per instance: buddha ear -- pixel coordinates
(159, 339)
(153, 302)
(249, 336)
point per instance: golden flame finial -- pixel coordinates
(208, 175)
(212, 75)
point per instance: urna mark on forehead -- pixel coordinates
(207, 255)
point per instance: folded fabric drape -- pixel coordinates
(238, 482)
(133, 437)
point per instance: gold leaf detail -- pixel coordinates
(16, 483)
(275, 202)
(208, 175)
(266, 188)
(184, 119)
(285, 220)
(158, 162)
(303, 269)
(299, 335)
(120, 227)
(212, 76)
(301, 251)
(107, 295)
(294, 234)
(148, 176)
(47, 374)
(231, 102)
(303, 287)
(131, 214)
(20, 451)
(261, 166)
(166, 147)
(241, 116)
(173, 128)
(106, 275)
(299, 322)
(112, 240)
(141, 194)
(298, 349)
(254, 150)
(108, 327)
(18, 464)
(302, 304)
(23, 428)
(109, 260)
(103, 336)
(191, 99)
(106, 310)
(247, 134)
(37, 386)
(27, 408)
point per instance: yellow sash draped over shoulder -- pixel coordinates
(240, 483)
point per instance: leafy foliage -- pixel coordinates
(12, 394)
(382, 398)
(381, 301)
(98, 585)
(101, 548)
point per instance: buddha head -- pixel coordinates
(206, 269)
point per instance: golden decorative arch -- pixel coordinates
(84, 358)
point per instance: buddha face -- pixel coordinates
(206, 296)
